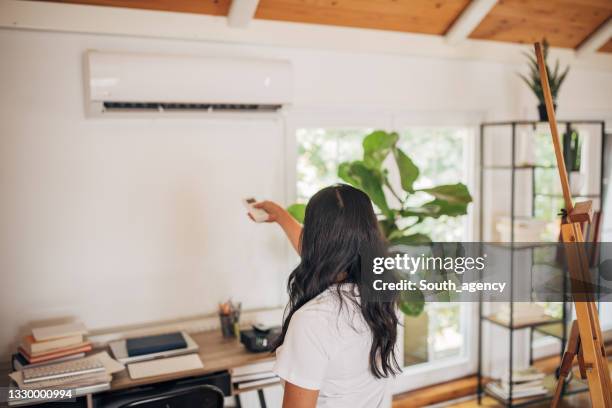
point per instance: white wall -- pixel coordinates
(125, 221)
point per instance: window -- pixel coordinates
(440, 332)
(320, 151)
(438, 152)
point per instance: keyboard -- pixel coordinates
(63, 369)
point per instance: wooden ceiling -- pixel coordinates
(415, 16)
(565, 23)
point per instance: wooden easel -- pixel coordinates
(585, 341)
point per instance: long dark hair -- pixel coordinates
(340, 226)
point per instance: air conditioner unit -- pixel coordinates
(124, 82)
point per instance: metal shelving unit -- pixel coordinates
(556, 328)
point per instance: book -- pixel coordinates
(257, 383)
(523, 385)
(139, 346)
(252, 377)
(263, 367)
(33, 347)
(523, 314)
(58, 331)
(525, 375)
(82, 348)
(497, 390)
(76, 381)
(19, 362)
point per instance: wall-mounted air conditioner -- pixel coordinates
(125, 82)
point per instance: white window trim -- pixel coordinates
(436, 372)
(466, 364)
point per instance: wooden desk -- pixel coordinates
(216, 353)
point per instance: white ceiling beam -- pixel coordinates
(596, 40)
(473, 14)
(241, 12)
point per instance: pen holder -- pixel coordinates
(227, 325)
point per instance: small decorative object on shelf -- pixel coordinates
(571, 156)
(556, 78)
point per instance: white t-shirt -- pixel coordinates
(328, 350)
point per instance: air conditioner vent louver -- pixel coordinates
(209, 107)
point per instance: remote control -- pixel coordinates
(258, 214)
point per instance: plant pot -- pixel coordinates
(543, 113)
(416, 339)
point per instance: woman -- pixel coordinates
(335, 350)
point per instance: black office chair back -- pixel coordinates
(201, 396)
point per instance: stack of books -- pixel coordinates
(523, 314)
(525, 383)
(254, 375)
(64, 380)
(51, 344)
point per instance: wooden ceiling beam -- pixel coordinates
(241, 12)
(595, 40)
(467, 21)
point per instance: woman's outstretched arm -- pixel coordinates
(276, 213)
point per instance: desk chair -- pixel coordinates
(201, 396)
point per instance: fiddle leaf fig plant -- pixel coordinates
(396, 216)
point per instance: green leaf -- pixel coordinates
(414, 239)
(344, 172)
(388, 227)
(377, 146)
(453, 193)
(370, 181)
(527, 81)
(393, 233)
(447, 208)
(561, 79)
(555, 73)
(297, 211)
(408, 171)
(412, 302)
(426, 210)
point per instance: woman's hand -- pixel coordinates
(278, 214)
(275, 211)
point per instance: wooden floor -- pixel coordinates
(466, 388)
(574, 401)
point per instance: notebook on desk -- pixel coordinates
(155, 344)
(119, 349)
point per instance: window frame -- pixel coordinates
(425, 374)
